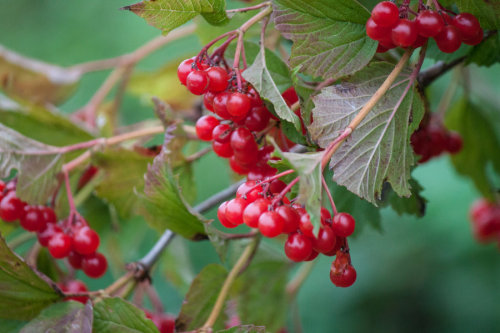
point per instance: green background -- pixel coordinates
(417, 275)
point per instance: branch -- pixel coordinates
(428, 76)
(293, 286)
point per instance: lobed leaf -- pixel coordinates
(379, 150)
(329, 38)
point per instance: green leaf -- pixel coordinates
(201, 298)
(117, 315)
(481, 145)
(35, 81)
(163, 204)
(23, 292)
(329, 39)
(414, 205)
(11, 326)
(259, 76)
(45, 263)
(123, 174)
(379, 150)
(66, 317)
(167, 15)
(262, 298)
(37, 165)
(244, 329)
(487, 53)
(176, 265)
(486, 11)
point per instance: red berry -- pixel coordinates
(325, 241)
(94, 265)
(480, 207)
(59, 245)
(467, 24)
(305, 224)
(222, 133)
(448, 40)
(254, 210)
(11, 207)
(291, 218)
(238, 104)
(429, 23)
(339, 242)
(377, 32)
(476, 39)
(74, 287)
(184, 69)
(237, 167)
(46, 234)
(385, 14)
(405, 33)
(197, 82)
(2, 186)
(381, 48)
(85, 240)
(271, 224)
(298, 247)
(75, 260)
(454, 143)
(32, 218)
(290, 96)
(343, 224)
(257, 119)
(220, 105)
(420, 41)
(325, 215)
(208, 101)
(205, 126)
(222, 149)
(49, 215)
(164, 322)
(234, 210)
(218, 79)
(242, 140)
(244, 191)
(221, 215)
(344, 277)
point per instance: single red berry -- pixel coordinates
(254, 97)
(344, 277)
(271, 224)
(75, 260)
(222, 133)
(184, 69)
(276, 186)
(343, 224)
(205, 126)
(467, 24)
(429, 23)
(313, 255)
(74, 287)
(238, 104)
(325, 215)
(386, 14)
(420, 41)
(298, 247)
(2, 186)
(478, 38)
(257, 119)
(487, 226)
(246, 192)
(164, 322)
(222, 149)
(197, 82)
(325, 241)
(46, 234)
(218, 79)
(305, 224)
(377, 32)
(254, 210)
(243, 140)
(32, 218)
(85, 240)
(49, 215)
(237, 167)
(208, 101)
(454, 143)
(220, 105)
(339, 242)
(448, 40)
(94, 265)
(11, 207)
(59, 245)
(291, 218)
(234, 210)
(221, 215)
(480, 207)
(405, 33)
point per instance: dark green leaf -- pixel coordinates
(379, 150)
(414, 205)
(45, 263)
(487, 53)
(23, 293)
(11, 326)
(66, 317)
(167, 15)
(117, 315)
(481, 145)
(201, 298)
(329, 39)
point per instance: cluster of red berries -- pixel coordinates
(432, 139)
(485, 217)
(241, 116)
(390, 26)
(263, 206)
(74, 287)
(76, 240)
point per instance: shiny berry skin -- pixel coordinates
(184, 69)
(46, 234)
(298, 247)
(325, 241)
(305, 225)
(276, 186)
(222, 149)
(234, 210)
(221, 215)
(164, 322)
(208, 101)
(429, 23)
(197, 82)
(253, 211)
(467, 24)
(2, 186)
(344, 277)
(339, 242)
(291, 218)
(238, 104)
(94, 265)
(420, 41)
(257, 119)
(220, 105)
(59, 245)
(386, 14)
(244, 191)
(242, 140)
(448, 40)
(222, 133)
(343, 224)
(218, 79)
(49, 215)
(271, 224)
(376, 32)
(32, 218)
(325, 215)
(11, 207)
(405, 33)
(74, 287)
(479, 208)
(85, 240)
(237, 167)
(75, 260)
(205, 126)
(478, 38)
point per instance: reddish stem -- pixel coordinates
(285, 191)
(246, 9)
(269, 179)
(329, 194)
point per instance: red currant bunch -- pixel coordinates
(485, 218)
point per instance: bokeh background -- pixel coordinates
(415, 275)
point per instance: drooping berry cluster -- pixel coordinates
(263, 206)
(433, 139)
(74, 240)
(485, 218)
(391, 27)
